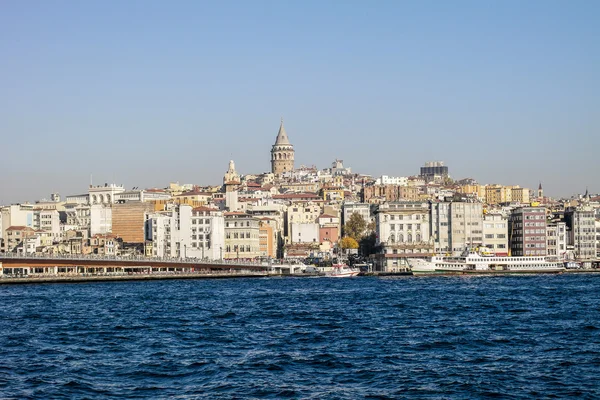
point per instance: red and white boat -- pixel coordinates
(342, 271)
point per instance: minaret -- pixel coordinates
(282, 153)
(231, 181)
(540, 191)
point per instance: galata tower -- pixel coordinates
(282, 153)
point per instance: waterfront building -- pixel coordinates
(105, 244)
(581, 230)
(402, 231)
(556, 235)
(186, 232)
(242, 235)
(456, 226)
(282, 153)
(527, 231)
(495, 233)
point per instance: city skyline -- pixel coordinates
(143, 94)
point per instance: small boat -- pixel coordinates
(342, 271)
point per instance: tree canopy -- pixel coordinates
(348, 243)
(355, 227)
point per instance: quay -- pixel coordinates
(19, 268)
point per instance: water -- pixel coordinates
(439, 337)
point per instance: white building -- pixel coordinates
(402, 230)
(556, 235)
(142, 195)
(186, 233)
(104, 194)
(100, 219)
(304, 233)
(47, 221)
(17, 215)
(392, 180)
(456, 226)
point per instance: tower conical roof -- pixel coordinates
(282, 137)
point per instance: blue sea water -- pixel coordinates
(319, 338)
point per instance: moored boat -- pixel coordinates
(471, 262)
(342, 271)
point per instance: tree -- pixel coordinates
(355, 227)
(348, 243)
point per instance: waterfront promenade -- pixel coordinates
(19, 268)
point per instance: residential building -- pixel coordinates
(556, 236)
(456, 226)
(16, 237)
(302, 213)
(495, 233)
(527, 231)
(266, 239)
(100, 219)
(581, 230)
(329, 228)
(186, 232)
(242, 235)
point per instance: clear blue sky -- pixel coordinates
(146, 92)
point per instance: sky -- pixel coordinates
(143, 93)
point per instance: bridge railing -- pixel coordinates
(98, 257)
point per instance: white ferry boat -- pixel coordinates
(471, 262)
(342, 271)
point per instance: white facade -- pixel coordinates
(142, 195)
(304, 233)
(363, 209)
(104, 194)
(78, 216)
(556, 235)
(78, 199)
(456, 226)
(48, 221)
(17, 215)
(184, 232)
(100, 219)
(392, 180)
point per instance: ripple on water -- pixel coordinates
(446, 337)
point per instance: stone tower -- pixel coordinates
(282, 153)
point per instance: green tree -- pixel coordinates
(355, 227)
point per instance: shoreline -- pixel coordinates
(129, 278)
